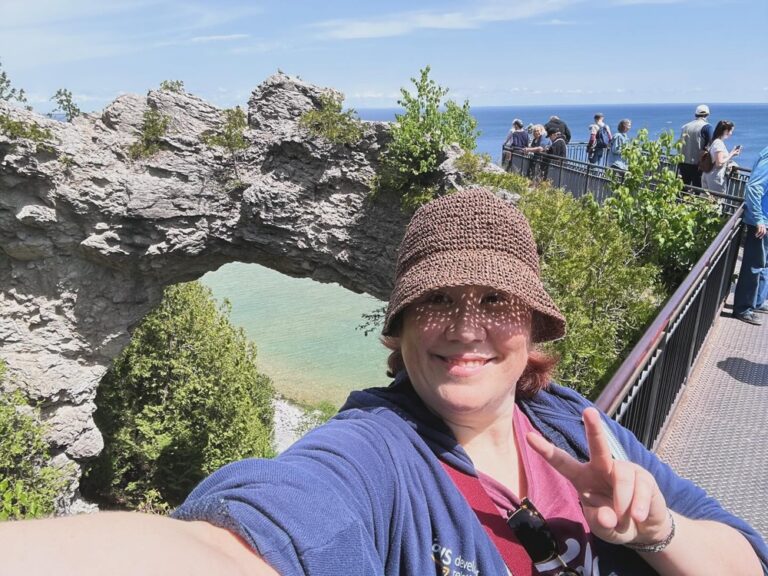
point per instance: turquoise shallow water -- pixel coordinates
(305, 331)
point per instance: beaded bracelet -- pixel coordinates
(655, 546)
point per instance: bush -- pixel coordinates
(153, 128)
(29, 485)
(65, 103)
(172, 86)
(589, 269)
(18, 129)
(231, 136)
(183, 399)
(419, 137)
(331, 123)
(666, 228)
(474, 168)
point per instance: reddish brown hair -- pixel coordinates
(535, 377)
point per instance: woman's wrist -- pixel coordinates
(658, 545)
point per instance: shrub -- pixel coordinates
(66, 104)
(589, 269)
(153, 128)
(18, 129)
(184, 398)
(29, 485)
(331, 123)
(172, 85)
(666, 228)
(474, 168)
(231, 136)
(7, 91)
(419, 136)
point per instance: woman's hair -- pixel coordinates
(624, 124)
(722, 127)
(540, 128)
(535, 377)
(517, 123)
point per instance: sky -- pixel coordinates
(492, 53)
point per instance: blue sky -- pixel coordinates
(513, 52)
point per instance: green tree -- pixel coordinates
(184, 398)
(667, 228)
(419, 137)
(7, 91)
(231, 136)
(172, 85)
(153, 128)
(66, 104)
(29, 484)
(331, 123)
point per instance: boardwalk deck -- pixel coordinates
(718, 434)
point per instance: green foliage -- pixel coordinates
(588, 267)
(18, 129)
(172, 85)
(331, 123)
(475, 168)
(7, 91)
(419, 137)
(231, 136)
(153, 128)
(184, 398)
(28, 483)
(65, 104)
(666, 229)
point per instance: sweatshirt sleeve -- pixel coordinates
(318, 508)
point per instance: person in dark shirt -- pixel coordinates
(558, 145)
(562, 127)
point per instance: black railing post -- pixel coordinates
(653, 395)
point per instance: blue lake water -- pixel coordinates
(306, 332)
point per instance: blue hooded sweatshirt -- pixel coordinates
(366, 494)
(756, 195)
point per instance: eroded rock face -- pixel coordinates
(89, 238)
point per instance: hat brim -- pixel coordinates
(491, 268)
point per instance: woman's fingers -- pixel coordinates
(600, 458)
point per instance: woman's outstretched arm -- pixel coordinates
(121, 544)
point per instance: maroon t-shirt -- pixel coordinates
(556, 499)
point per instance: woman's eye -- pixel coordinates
(495, 298)
(437, 298)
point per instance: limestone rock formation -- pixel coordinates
(89, 237)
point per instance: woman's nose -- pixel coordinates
(466, 324)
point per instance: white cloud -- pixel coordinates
(408, 22)
(219, 38)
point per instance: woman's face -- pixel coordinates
(727, 134)
(464, 349)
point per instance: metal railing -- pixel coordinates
(644, 390)
(581, 178)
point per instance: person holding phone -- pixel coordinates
(715, 179)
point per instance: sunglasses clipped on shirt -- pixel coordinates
(534, 534)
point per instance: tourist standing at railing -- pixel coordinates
(560, 126)
(721, 158)
(696, 136)
(619, 140)
(558, 145)
(752, 287)
(517, 139)
(539, 145)
(599, 139)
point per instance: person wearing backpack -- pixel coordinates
(696, 136)
(599, 139)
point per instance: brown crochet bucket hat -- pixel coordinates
(470, 238)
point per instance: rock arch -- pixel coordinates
(89, 238)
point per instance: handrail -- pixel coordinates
(626, 375)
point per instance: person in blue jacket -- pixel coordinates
(751, 295)
(470, 463)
